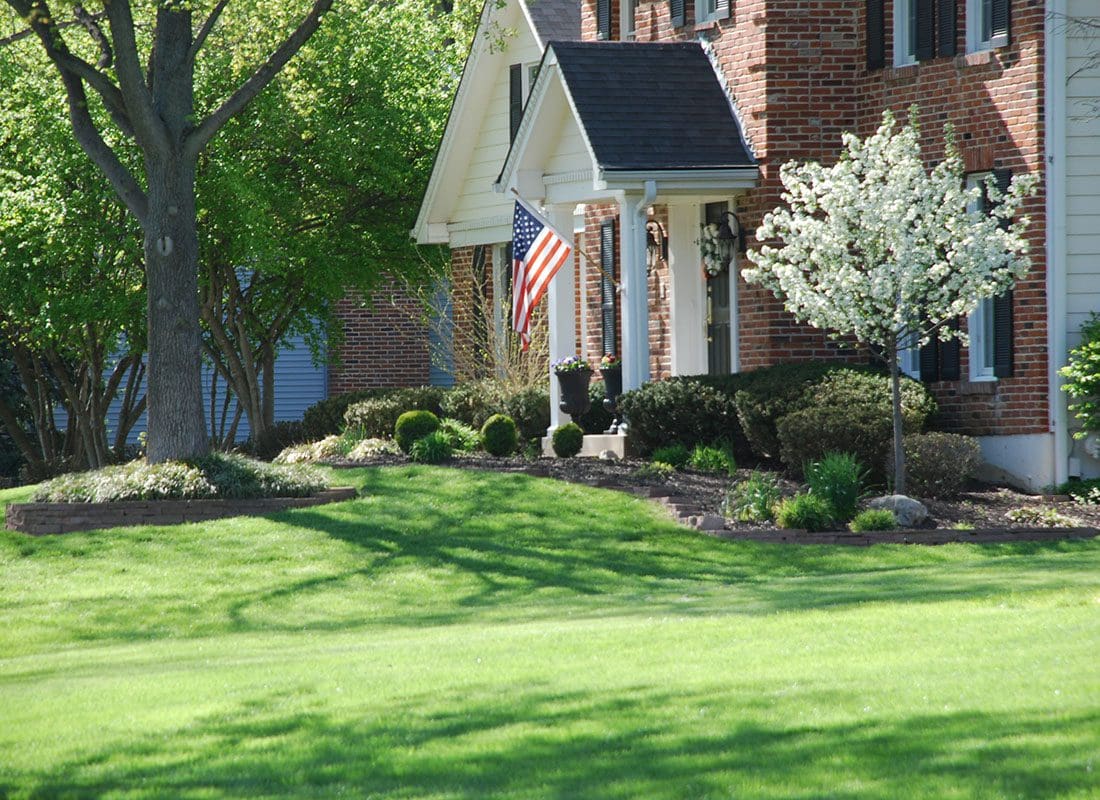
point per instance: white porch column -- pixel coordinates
(635, 288)
(688, 301)
(562, 313)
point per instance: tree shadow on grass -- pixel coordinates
(515, 551)
(639, 742)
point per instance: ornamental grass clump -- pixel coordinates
(434, 448)
(838, 478)
(806, 511)
(714, 460)
(217, 476)
(754, 499)
(873, 519)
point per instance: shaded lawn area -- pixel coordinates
(466, 635)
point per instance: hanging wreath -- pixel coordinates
(710, 250)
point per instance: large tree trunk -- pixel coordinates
(176, 424)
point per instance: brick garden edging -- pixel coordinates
(39, 519)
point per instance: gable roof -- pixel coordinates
(545, 19)
(651, 105)
(554, 20)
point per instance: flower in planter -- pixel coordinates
(610, 361)
(570, 364)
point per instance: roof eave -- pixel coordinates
(680, 181)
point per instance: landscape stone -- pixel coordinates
(608, 455)
(909, 512)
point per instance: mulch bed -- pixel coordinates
(698, 498)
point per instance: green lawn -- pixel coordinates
(455, 634)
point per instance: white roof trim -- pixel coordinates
(456, 119)
(680, 181)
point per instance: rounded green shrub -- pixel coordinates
(873, 519)
(567, 440)
(806, 511)
(940, 464)
(433, 448)
(377, 417)
(414, 425)
(682, 410)
(326, 417)
(498, 435)
(809, 435)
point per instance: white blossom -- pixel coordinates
(879, 247)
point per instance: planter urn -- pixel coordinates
(613, 387)
(574, 391)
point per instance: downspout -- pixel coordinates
(1055, 126)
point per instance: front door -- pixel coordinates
(718, 307)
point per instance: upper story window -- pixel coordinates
(626, 25)
(521, 77)
(711, 10)
(905, 32)
(987, 24)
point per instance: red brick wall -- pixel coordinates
(384, 344)
(799, 82)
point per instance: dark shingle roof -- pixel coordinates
(555, 19)
(651, 106)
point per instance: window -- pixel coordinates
(711, 10)
(905, 32)
(987, 24)
(980, 323)
(521, 77)
(629, 7)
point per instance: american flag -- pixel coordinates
(537, 253)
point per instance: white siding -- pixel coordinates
(1082, 176)
(476, 199)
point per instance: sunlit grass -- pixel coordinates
(452, 634)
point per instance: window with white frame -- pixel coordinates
(905, 32)
(909, 357)
(626, 24)
(980, 323)
(987, 24)
(706, 10)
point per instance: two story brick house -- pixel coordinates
(660, 116)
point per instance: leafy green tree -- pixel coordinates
(129, 86)
(72, 294)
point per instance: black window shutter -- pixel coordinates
(607, 287)
(1000, 18)
(930, 362)
(946, 27)
(603, 19)
(876, 34)
(515, 99)
(676, 10)
(722, 9)
(925, 30)
(1002, 335)
(949, 357)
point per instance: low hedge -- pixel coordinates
(808, 434)
(682, 410)
(217, 476)
(327, 416)
(376, 417)
(474, 402)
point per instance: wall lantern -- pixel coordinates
(731, 239)
(656, 245)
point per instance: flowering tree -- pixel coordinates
(882, 249)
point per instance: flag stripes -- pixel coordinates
(538, 252)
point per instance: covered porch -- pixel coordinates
(651, 169)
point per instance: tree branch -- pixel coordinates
(198, 138)
(204, 31)
(131, 82)
(92, 27)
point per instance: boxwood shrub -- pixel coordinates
(498, 435)
(681, 410)
(412, 426)
(808, 435)
(567, 440)
(376, 417)
(474, 402)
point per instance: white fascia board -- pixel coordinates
(549, 74)
(681, 181)
(531, 24)
(458, 123)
